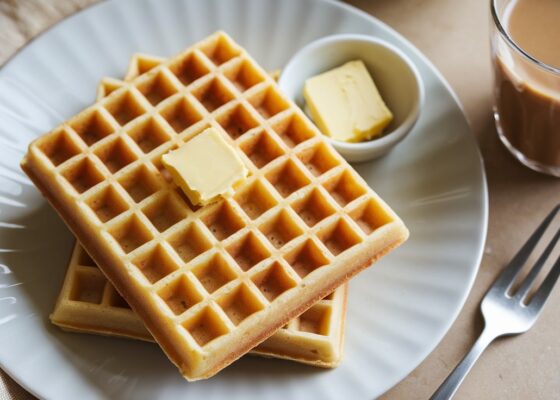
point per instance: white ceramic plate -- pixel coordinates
(398, 311)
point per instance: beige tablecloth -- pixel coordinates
(454, 35)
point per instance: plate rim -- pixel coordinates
(484, 199)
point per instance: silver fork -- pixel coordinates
(505, 313)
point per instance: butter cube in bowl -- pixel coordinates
(363, 93)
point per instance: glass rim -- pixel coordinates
(511, 42)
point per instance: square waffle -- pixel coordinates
(300, 226)
(89, 303)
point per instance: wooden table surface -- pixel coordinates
(454, 35)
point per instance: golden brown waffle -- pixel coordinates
(138, 65)
(211, 283)
(88, 304)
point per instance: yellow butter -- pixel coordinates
(345, 103)
(205, 167)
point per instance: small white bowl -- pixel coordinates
(395, 76)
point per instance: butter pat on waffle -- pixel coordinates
(89, 303)
(211, 283)
(205, 168)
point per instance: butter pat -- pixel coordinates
(205, 167)
(345, 103)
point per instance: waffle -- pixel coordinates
(210, 283)
(138, 65)
(315, 338)
(88, 303)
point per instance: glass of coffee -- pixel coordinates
(526, 58)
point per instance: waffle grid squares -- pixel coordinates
(90, 286)
(295, 161)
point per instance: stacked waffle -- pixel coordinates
(257, 270)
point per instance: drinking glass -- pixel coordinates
(526, 99)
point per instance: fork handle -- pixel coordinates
(456, 377)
